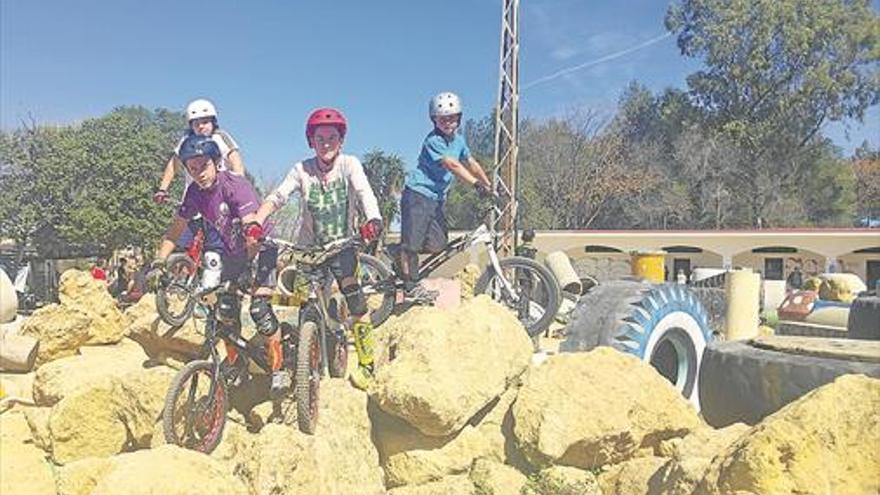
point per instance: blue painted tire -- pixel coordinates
(665, 325)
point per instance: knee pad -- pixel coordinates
(263, 316)
(228, 309)
(354, 298)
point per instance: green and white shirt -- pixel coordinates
(331, 203)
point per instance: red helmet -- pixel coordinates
(325, 116)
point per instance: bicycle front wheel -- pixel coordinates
(373, 275)
(175, 301)
(535, 295)
(307, 377)
(195, 408)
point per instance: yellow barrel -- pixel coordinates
(648, 265)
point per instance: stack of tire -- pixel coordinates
(665, 325)
(748, 380)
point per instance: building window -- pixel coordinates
(773, 269)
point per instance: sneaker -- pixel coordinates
(361, 377)
(280, 383)
(420, 295)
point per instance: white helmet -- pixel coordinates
(200, 108)
(444, 104)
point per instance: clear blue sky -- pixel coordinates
(267, 64)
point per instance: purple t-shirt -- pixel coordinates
(230, 198)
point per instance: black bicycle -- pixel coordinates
(194, 413)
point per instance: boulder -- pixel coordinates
(23, 467)
(638, 476)
(450, 485)
(58, 379)
(60, 330)
(38, 422)
(410, 457)
(160, 340)
(826, 442)
(17, 352)
(493, 478)
(78, 290)
(691, 456)
(436, 369)
(169, 470)
(113, 415)
(339, 458)
(562, 480)
(630, 407)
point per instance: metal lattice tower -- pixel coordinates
(504, 173)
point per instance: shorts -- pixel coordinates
(423, 227)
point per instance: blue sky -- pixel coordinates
(267, 64)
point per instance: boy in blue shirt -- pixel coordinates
(423, 224)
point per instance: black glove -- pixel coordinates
(483, 192)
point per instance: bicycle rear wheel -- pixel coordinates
(174, 301)
(373, 274)
(536, 293)
(307, 377)
(195, 408)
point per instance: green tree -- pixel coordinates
(386, 175)
(776, 71)
(87, 186)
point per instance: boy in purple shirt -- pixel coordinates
(227, 201)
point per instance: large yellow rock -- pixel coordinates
(60, 330)
(562, 480)
(636, 476)
(450, 485)
(493, 478)
(79, 290)
(167, 470)
(339, 458)
(58, 379)
(115, 414)
(436, 369)
(23, 467)
(825, 442)
(691, 457)
(411, 458)
(160, 340)
(590, 409)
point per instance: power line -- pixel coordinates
(591, 63)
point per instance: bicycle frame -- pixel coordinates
(480, 235)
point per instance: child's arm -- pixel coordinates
(278, 198)
(168, 174)
(459, 170)
(365, 193)
(171, 235)
(477, 171)
(236, 166)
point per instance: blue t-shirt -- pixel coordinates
(430, 178)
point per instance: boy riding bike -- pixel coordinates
(423, 224)
(227, 201)
(334, 188)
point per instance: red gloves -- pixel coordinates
(253, 231)
(371, 230)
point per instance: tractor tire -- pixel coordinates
(864, 318)
(664, 325)
(747, 380)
